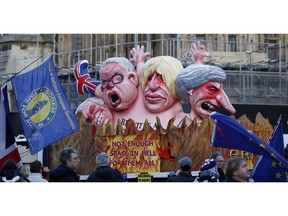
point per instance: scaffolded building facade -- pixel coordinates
(255, 64)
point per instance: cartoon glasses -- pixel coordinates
(115, 79)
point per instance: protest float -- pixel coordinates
(136, 115)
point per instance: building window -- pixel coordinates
(77, 46)
(77, 41)
(232, 44)
(5, 47)
(201, 38)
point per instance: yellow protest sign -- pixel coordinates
(134, 153)
(144, 177)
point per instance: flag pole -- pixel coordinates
(275, 127)
(9, 79)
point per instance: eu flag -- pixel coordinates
(268, 169)
(45, 113)
(228, 133)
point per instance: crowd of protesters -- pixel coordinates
(213, 169)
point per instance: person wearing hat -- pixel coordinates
(208, 172)
(185, 171)
(201, 86)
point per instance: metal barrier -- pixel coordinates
(256, 72)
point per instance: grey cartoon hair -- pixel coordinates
(195, 75)
(129, 67)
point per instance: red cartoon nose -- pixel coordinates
(223, 99)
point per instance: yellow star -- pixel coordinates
(273, 155)
(273, 164)
(261, 145)
(278, 175)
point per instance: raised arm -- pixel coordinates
(84, 83)
(139, 57)
(198, 51)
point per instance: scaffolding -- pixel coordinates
(256, 72)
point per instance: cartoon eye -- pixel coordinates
(117, 78)
(149, 78)
(212, 90)
(159, 76)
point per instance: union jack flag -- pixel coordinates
(85, 84)
(8, 146)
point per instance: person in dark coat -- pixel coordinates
(104, 172)
(11, 173)
(185, 171)
(208, 172)
(67, 170)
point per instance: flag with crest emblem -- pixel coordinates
(45, 113)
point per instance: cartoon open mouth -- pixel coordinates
(99, 118)
(207, 106)
(114, 99)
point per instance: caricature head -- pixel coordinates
(157, 78)
(119, 83)
(95, 110)
(201, 86)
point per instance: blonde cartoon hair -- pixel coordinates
(169, 67)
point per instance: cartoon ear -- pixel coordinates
(190, 92)
(133, 77)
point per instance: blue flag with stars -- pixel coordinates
(228, 133)
(44, 111)
(268, 169)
